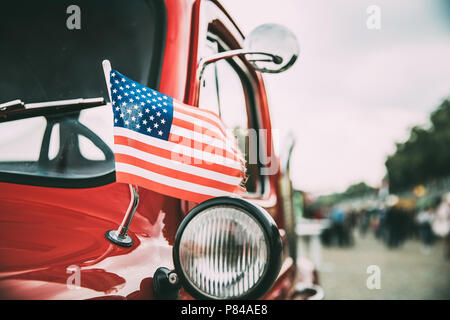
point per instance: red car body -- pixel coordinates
(45, 232)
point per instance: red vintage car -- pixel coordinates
(58, 195)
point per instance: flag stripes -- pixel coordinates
(172, 148)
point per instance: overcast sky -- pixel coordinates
(354, 92)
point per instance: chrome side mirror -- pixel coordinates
(270, 48)
(276, 40)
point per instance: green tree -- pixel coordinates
(425, 156)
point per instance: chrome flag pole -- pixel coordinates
(120, 236)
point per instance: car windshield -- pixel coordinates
(50, 51)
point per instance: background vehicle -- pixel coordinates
(57, 190)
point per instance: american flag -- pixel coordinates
(169, 147)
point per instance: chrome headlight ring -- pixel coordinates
(227, 248)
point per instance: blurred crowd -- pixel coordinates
(392, 223)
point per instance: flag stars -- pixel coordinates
(139, 108)
(113, 74)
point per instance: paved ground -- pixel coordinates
(406, 272)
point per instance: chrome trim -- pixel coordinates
(63, 102)
(6, 105)
(232, 53)
(302, 289)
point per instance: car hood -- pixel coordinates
(49, 234)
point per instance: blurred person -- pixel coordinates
(380, 225)
(350, 223)
(425, 220)
(364, 221)
(410, 224)
(327, 234)
(393, 227)
(374, 221)
(396, 223)
(383, 228)
(441, 223)
(338, 216)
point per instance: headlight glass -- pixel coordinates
(223, 252)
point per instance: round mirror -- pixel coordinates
(277, 41)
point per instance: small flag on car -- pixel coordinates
(169, 147)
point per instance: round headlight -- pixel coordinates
(227, 248)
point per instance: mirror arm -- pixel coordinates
(233, 53)
(287, 152)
